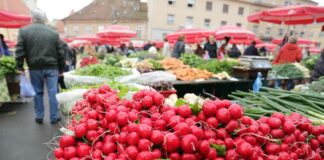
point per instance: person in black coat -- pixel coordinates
(319, 68)
(251, 50)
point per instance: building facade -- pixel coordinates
(102, 13)
(166, 16)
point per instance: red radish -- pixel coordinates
(289, 139)
(245, 149)
(175, 156)
(277, 133)
(221, 133)
(159, 124)
(137, 105)
(144, 155)
(187, 156)
(274, 122)
(131, 152)
(189, 143)
(145, 130)
(289, 127)
(111, 115)
(314, 144)
(253, 128)
(66, 140)
(212, 154)
(204, 147)
(69, 152)
(284, 147)
(83, 150)
(181, 129)
(171, 142)
(231, 154)
(122, 118)
(157, 137)
(250, 139)
(236, 111)
(175, 120)
(229, 143)
(320, 138)
(264, 128)
(144, 145)
(58, 152)
(108, 147)
(212, 122)
(272, 148)
(316, 130)
(80, 130)
(231, 126)
(92, 124)
(96, 154)
(246, 120)
(99, 144)
(201, 116)
(223, 115)
(156, 154)
(166, 116)
(133, 138)
(226, 103)
(198, 132)
(113, 127)
(158, 99)
(155, 116)
(132, 116)
(283, 156)
(279, 115)
(92, 114)
(75, 158)
(184, 111)
(147, 102)
(146, 121)
(209, 109)
(132, 127)
(92, 98)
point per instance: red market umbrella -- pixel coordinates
(244, 41)
(90, 38)
(158, 44)
(10, 44)
(301, 41)
(314, 50)
(268, 46)
(290, 15)
(117, 31)
(10, 20)
(190, 34)
(234, 32)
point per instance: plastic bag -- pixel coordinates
(68, 99)
(71, 80)
(26, 88)
(257, 83)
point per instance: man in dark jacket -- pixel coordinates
(319, 68)
(252, 50)
(179, 47)
(40, 46)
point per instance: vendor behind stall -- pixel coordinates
(251, 50)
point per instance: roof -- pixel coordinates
(14, 6)
(111, 10)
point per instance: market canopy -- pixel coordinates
(301, 41)
(314, 50)
(290, 15)
(234, 32)
(117, 31)
(245, 41)
(10, 20)
(195, 33)
(90, 38)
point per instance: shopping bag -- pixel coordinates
(26, 88)
(206, 56)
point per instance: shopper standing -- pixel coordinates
(40, 46)
(179, 47)
(166, 48)
(211, 47)
(252, 50)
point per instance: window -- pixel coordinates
(88, 30)
(223, 23)
(268, 30)
(171, 2)
(76, 30)
(255, 29)
(239, 24)
(139, 31)
(207, 22)
(241, 11)
(225, 8)
(301, 34)
(170, 19)
(101, 28)
(280, 32)
(209, 6)
(191, 3)
(189, 22)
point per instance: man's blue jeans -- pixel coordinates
(38, 77)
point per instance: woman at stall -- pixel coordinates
(3, 47)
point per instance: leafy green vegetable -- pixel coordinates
(156, 64)
(113, 60)
(310, 61)
(192, 60)
(101, 70)
(221, 149)
(317, 86)
(7, 65)
(146, 55)
(287, 70)
(217, 66)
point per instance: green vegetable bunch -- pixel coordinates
(217, 66)
(113, 60)
(310, 61)
(317, 86)
(156, 64)
(101, 70)
(287, 70)
(7, 65)
(192, 60)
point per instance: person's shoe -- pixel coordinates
(55, 121)
(39, 121)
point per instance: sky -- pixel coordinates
(58, 9)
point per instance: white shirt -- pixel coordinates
(166, 49)
(152, 50)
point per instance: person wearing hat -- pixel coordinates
(40, 46)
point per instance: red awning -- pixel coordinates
(234, 32)
(244, 41)
(300, 41)
(290, 15)
(117, 31)
(10, 20)
(192, 35)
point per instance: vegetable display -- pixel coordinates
(217, 66)
(310, 61)
(101, 70)
(7, 65)
(113, 60)
(189, 74)
(104, 126)
(270, 100)
(172, 63)
(191, 59)
(88, 60)
(287, 70)
(317, 86)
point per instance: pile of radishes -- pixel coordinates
(106, 127)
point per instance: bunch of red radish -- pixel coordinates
(108, 128)
(89, 60)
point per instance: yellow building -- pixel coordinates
(101, 13)
(166, 16)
